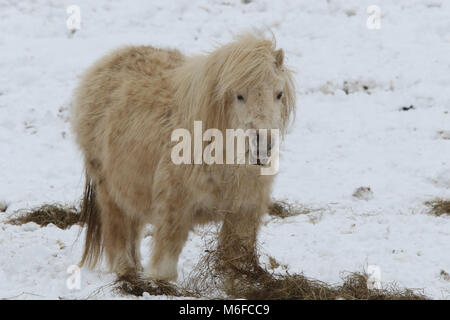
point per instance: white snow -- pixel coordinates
(339, 142)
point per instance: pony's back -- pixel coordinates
(122, 82)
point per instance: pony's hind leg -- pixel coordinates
(121, 235)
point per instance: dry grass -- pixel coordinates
(439, 207)
(136, 286)
(284, 209)
(247, 279)
(61, 216)
(296, 286)
(218, 277)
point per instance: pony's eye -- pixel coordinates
(240, 97)
(280, 95)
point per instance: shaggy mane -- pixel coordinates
(203, 83)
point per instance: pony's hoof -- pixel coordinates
(128, 271)
(151, 274)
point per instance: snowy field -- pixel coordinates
(354, 128)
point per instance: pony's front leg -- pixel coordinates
(237, 258)
(169, 236)
(238, 238)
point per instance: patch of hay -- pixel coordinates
(273, 263)
(219, 275)
(439, 207)
(247, 279)
(136, 286)
(61, 216)
(284, 209)
(211, 279)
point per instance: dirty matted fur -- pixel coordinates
(125, 109)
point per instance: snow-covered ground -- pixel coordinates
(339, 141)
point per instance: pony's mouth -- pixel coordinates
(263, 162)
(259, 145)
(258, 161)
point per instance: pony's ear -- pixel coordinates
(279, 57)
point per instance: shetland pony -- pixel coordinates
(124, 111)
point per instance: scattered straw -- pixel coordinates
(246, 278)
(61, 216)
(439, 207)
(221, 275)
(284, 209)
(287, 286)
(134, 285)
(273, 263)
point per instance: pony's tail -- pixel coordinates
(90, 217)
